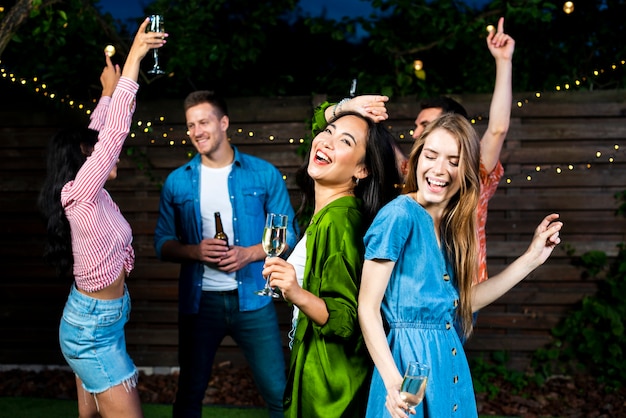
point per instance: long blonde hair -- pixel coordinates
(458, 224)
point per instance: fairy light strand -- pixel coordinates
(171, 136)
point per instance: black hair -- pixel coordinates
(446, 104)
(206, 96)
(375, 190)
(65, 156)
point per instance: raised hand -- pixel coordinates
(545, 239)
(500, 44)
(370, 105)
(143, 42)
(109, 77)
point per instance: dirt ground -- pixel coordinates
(562, 396)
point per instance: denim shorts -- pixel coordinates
(92, 341)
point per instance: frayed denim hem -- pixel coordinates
(129, 384)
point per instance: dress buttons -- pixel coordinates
(446, 277)
(455, 407)
(456, 379)
(456, 303)
(454, 351)
(448, 326)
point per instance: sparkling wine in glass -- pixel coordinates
(274, 242)
(156, 25)
(414, 384)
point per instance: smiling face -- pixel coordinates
(338, 153)
(437, 171)
(207, 130)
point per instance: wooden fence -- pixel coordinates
(565, 152)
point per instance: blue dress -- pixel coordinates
(418, 309)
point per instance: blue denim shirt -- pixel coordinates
(256, 188)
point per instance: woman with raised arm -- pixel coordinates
(349, 175)
(420, 261)
(89, 238)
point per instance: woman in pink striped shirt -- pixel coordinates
(88, 234)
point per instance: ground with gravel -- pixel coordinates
(562, 396)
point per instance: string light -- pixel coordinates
(418, 69)
(148, 128)
(109, 50)
(568, 7)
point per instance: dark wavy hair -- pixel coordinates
(446, 104)
(375, 190)
(65, 157)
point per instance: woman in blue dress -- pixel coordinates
(417, 278)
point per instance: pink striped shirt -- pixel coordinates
(101, 236)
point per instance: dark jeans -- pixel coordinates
(200, 335)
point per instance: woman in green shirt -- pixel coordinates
(349, 175)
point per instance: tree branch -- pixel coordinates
(16, 16)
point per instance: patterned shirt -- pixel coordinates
(488, 185)
(101, 237)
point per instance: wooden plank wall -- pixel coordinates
(575, 132)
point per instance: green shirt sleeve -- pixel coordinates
(337, 274)
(319, 118)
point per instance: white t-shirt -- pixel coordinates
(214, 197)
(297, 259)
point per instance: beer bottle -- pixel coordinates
(219, 229)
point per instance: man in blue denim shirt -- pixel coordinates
(217, 281)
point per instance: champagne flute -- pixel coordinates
(274, 242)
(414, 384)
(156, 25)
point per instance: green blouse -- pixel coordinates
(330, 367)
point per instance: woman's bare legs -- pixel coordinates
(86, 403)
(121, 401)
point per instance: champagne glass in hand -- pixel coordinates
(156, 25)
(274, 242)
(414, 384)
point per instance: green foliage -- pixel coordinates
(230, 46)
(485, 372)
(593, 336)
(448, 37)
(144, 164)
(271, 48)
(62, 45)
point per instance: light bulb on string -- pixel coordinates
(109, 50)
(568, 7)
(418, 69)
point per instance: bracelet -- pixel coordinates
(338, 106)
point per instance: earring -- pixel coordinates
(357, 181)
